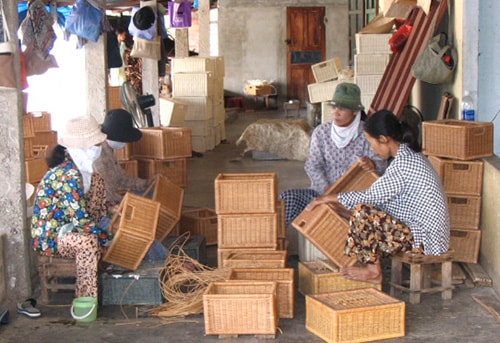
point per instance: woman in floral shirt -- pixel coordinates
(61, 222)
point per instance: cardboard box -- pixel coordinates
(258, 89)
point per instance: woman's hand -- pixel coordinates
(367, 164)
(324, 199)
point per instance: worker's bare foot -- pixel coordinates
(369, 273)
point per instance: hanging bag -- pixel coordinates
(144, 48)
(85, 21)
(180, 14)
(437, 62)
(7, 49)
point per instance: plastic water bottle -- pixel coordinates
(468, 112)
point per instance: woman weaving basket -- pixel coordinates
(404, 210)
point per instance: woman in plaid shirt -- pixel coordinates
(404, 210)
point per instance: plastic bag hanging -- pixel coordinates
(180, 14)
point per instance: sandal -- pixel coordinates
(28, 308)
(4, 315)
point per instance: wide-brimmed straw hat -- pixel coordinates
(81, 132)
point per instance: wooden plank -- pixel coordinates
(478, 275)
(397, 81)
(490, 303)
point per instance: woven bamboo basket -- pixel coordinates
(245, 193)
(319, 276)
(327, 230)
(28, 148)
(193, 84)
(170, 196)
(371, 64)
(253, 230)
(239, 308)
(327, 70)
(131, 167)
(466, 245)
(368, 84)
(35, 169)
(280, 210)
(134, 225)
(360, 315)
(459, 177)
(284, 277)
(174, 169)
(322, 91)
(457, 139)
(200, 221)
(465, 211)
(125, 153)
(354, 179)
(163, 143)
(48, 138)
(373, 43)
(254, 259)
(28, 127)
(41, 121)
(40, 151)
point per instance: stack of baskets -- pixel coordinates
(260, 289)
(198, 83)
(371, 58)
(454, 148)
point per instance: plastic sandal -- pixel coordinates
(28, 308)
(4, 315)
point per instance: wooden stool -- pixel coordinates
(50, 269)
(417, 286)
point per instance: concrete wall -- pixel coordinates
(490, 221)
(252, 39)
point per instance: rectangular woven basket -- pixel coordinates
(245, 193)
(466, 244)
(255, 259)
(354, 179)
(319, 276)
(252, 230)
(457, 139)
(200, 221)
(163, 143)
(377, 43)
(284, 277)
(465, 211)
(459, 177)
(174, 169)
(134, 225)
(170, 196)
(327, 70)
(327, 230)
(239, 308)
(360, 315)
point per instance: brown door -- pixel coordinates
(306, 46)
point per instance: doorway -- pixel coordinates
(305, 46)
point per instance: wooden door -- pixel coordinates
(306, 46)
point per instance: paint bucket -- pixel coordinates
(84, 309)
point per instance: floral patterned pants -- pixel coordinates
(85, 249)
(374, 234)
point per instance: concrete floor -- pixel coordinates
(461, 319)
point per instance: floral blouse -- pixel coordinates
(60, 200)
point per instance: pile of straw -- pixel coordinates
(183, 281)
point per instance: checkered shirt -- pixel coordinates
(411, 191)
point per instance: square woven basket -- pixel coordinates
(354, 179)
(170, 196)
(245, 193)
(459, 177)
(174, 169)
(252, 230)
(284, 277)
(134, 225)
(360, 315)
(241, 308)
(457, 139)
(327, 70)
(319, 276)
